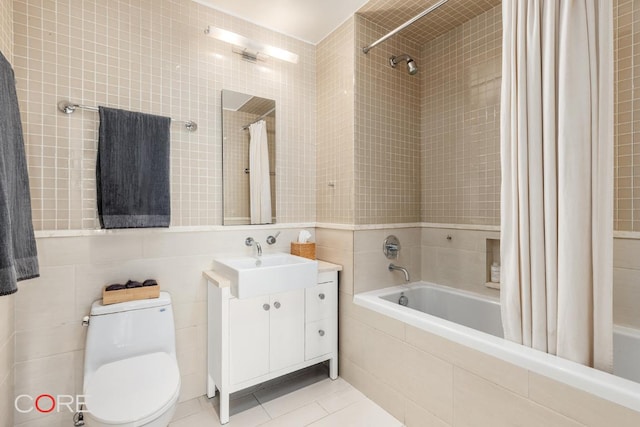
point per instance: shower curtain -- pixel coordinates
(557, 177)
(259, 177)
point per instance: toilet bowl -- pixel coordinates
(131, 375)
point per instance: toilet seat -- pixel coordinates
(133, 391)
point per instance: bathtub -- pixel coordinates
(475, 321)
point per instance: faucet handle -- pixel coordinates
(272, 239)
(249, 241)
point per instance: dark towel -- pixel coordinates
(132, 284)
(132, 171)
(149, 282)
(18, 255)
(115, 287)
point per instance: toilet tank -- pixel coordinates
(128, 329)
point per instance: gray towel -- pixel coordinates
(18, 255)
(132, 171)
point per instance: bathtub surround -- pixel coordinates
(18, 256)
(422, 378)
(132, 170)
(557, 176)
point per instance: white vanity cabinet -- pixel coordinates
(253, 340)
(266, 334)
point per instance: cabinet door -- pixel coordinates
(286, 328)
(248, 338)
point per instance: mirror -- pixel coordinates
(248, 159)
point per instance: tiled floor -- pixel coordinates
(309, 398)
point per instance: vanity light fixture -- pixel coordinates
(250, 49)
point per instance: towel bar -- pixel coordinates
(70, 108)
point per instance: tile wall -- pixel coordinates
(387, 130)
(335, 111)
(7, 303)
(460, 111)
(152, 56)
(626, 15)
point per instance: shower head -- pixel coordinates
(412, 67)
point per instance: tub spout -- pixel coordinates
(404, 270)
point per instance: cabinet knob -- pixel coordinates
(321, 332)
(321, 296)
(276, 304)
(266, 307)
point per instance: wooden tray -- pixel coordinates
(131, 294)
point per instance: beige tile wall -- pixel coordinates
(460, 123)
(457, 258)
(6, 28)
(626, 282)
(7, 359)
(335, 111)
(627, 110)
(461, 262)
(49, 337)
(7, 303)
(152, 56)
(387, 130)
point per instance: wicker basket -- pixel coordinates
(305, 250)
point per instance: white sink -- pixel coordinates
(268, 274)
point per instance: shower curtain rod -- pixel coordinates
(70, 108)
(245, 127)
(366, 49)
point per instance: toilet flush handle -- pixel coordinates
(85, 321)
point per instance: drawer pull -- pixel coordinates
(266, 307)
(321, 296)
(321, 332)
(276, 304)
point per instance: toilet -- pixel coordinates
(131, 375)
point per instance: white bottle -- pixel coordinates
(495, 272)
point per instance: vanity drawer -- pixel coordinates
(319, 338)
(320, 301)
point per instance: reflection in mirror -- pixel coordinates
(248, 159)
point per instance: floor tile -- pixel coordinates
(184, 409)
(289, 402)
(305, 398)
(290, 383)
(298, 418)
(202, 418)
(360, 414)
(341, 399)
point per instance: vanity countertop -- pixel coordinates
(222, 282)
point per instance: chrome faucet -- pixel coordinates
(404, 270)
(272, 239)
(250, 242)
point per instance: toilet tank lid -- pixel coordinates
(97, 308)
